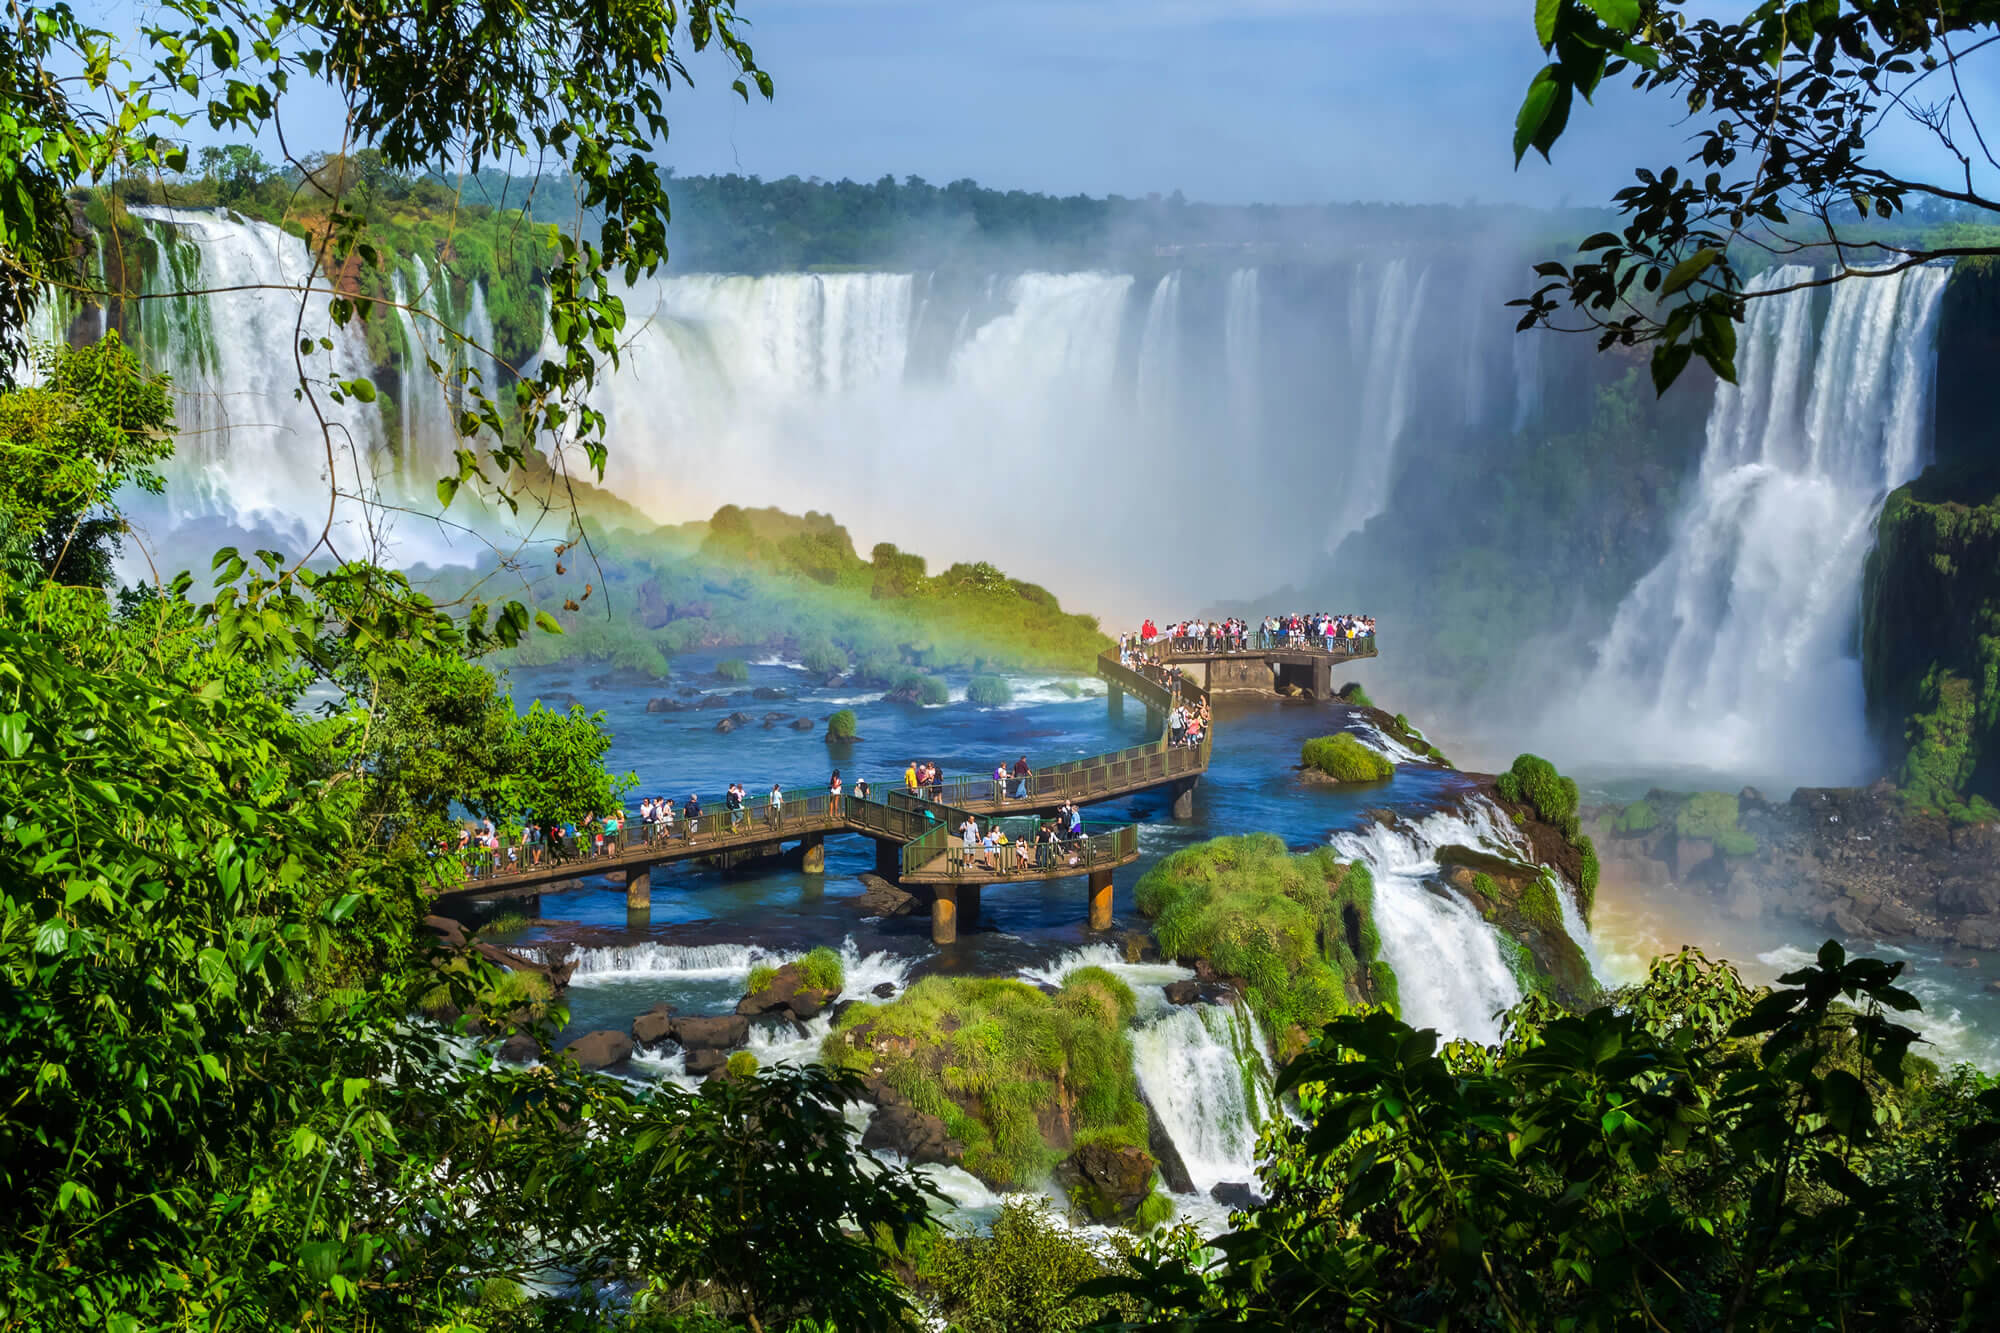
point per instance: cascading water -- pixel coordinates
(1384, 306)
(1243, 351)
(1207, 1072)
(1736, 653)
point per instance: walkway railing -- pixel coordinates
(1251, 645)
(1022, 853)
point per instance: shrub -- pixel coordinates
(735, 669)
(1354, 696)
(925, 689)
(741, 1064)
(1018, 1279)
(840, 727)
(989, 691)
(1586, 878)
(1736, 842)
(821, 657)
(1534, 781)
(989, 1054)
(1298, 930)
(1638, 817)
(821, 970)
(761, 977)
(1707, 815)
(1345, 759)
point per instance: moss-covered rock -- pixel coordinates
(1342, 758)
(989, 691)
(1020, 1079)
(1296, 931)
(1521, 901)
(1544, 804)
(841, 726)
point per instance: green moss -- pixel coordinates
(841, 726)
(1354, 696)
(989, 691)
(761, 977)
(741, 1064)
(819, 656)
(991, 1055)
(821, 970)
(1539, 906)
(1534, 781)
(1636, 818)
(1155, 1212)
(734, 669)
(1345, 759)
(927, 690)
(1587, 876)
(1297, 929)
(1707, 815)
(1736, 842)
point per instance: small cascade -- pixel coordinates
(1158, 378)
(1207, 1072)
(1385, 305)
(1243, 352)
(1737, 651)
(1449, 966)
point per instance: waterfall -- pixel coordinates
(1207, 1072)
(1384, 308)
(1243, 351)
(1450, 971)
(1736, 653)
(1157, 381)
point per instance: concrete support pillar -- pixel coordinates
(1323, 679)
(1117, 701)
(639, 889)
(1100, 900)
(813, 849)
(888, 859)
(1184, 800)
(944, 914)
(968, 902)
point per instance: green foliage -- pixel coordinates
(761, 977)
(989, 691)
(1691, 1155)
(991, 1055)
(1345, 759)
(820, 656)
(821, 969)
(841, 726)
(1018, 1278)
(1297, 930)
(920, 688)
(1707, 814)
(1354, 696)
(733, 669)
(1636, 818)
(741, 1064)
(96, 420)
(1534, 781)
(1154, 1212)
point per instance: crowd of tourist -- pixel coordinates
(1319, 630)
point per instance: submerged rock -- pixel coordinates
(715, 701)
(881, 898)
(654, 1026)
(802, 724)
(1236, 1195)
(1197, 991)
(768, 692)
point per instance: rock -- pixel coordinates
(600, 1050)
(771, 717)
(1964, 962)
(449, 933)
(1690, 853)
(703, 1062)
(1993, 988)
(1893, 918)
(520, 1049)
(718, 1033)
(884, 990)
(770, 692)
(1197, 991)
(1750, 797)
(728, 724)
(688, 691)
(715, 701)
(802, 724)
(1235, 1195)
(654, 1026)
(1107, 1183)
(1173, 1170)
(1977, 933)
(901, 1128)
(833, 739)
(556, 971)
(881, 898)
(662, 704)
(833, 681)
(785, 996)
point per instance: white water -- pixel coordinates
(728, 962)
(1737, 652)
(1450, 971)
(1207, 1072)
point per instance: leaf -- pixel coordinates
(1669, 360)
(447, 488)
(1545, 21)
(1535, 109)
(547, 623)
(1688, 270)
(13, 734)
(1620, 14)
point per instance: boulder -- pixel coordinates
(703, 1062)
(448, 932)
(718, 1033)
(556, 971)
(1235, 1195)
(600, 1050)
(901, 1128)
(520, 1049)
(1197, 991)
(834, 680)
(662, 704)
(654, 1026)
(785, 996)
(688, 691)
(771, 717)
(881, 898)
(729, 724)
(802, 724)
(1976, 932)
(715, 701)
(1107, 1183)
(1173, 1170)
(884, 990)
(770, 692)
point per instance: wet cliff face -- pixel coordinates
(1931, 594)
